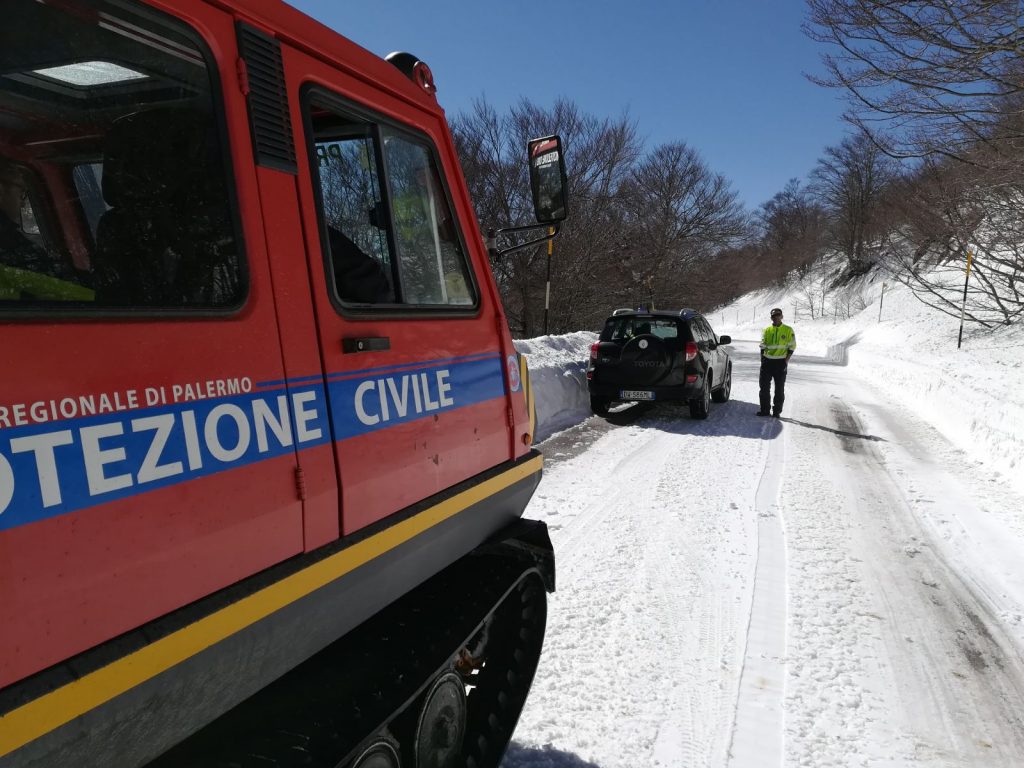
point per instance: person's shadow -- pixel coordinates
(840, 432)
(544, 757)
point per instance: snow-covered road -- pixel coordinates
(830, 589)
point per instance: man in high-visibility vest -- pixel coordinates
(778, 342)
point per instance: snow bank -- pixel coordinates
(558, 372)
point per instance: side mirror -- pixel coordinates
(547, 179)
(723, 340)
(550, 189)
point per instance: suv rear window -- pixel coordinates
(629, 326)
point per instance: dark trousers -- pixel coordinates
(773, 370)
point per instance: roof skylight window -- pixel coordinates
(90, 74)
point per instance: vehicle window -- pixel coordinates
(110, 139)
(665, 330)
(388, 226)
(433, 266)
(628, 327)
(351, 200)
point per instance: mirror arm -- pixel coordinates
(492, 236)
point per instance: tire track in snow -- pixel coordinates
(676, 564)
(635, 465)
(758, 725)
(838, 705)
(957, 677)
(891, 661)
(641, 659)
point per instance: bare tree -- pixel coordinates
(946, 81)
(599, 155)
(937, 77)
(793, 230)
(643, 228)
(733, 271)
(850, 180)
(946, 213)
(679, 214)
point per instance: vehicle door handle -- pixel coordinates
(365, 344)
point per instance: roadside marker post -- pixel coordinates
(880, 300)
(963, 304)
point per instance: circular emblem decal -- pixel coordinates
(643, 343)
(514, 382)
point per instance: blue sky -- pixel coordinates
(725, 76)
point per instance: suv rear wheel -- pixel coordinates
(721, 395)
(599, 405)
(700, 406)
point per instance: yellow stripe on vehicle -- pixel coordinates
(48, 712)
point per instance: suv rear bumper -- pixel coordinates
(662, 394)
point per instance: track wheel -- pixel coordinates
(380, 754)
(442, 723)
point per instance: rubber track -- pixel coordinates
(325, 710)
(513, 653)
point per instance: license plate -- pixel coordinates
(636, 394)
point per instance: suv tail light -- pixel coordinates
(593, 351)
(691, 351)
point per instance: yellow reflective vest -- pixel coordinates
(777, 341)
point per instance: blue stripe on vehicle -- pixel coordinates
(59, 467)
(375, 401)
(62, 466)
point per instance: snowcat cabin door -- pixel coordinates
(414, 371)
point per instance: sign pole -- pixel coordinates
(963, 305)
(547, 285)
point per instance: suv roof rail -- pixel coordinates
(687, 311)
(622, 311)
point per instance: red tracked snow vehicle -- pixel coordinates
(264, 437)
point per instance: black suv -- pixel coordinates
(661, 356)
